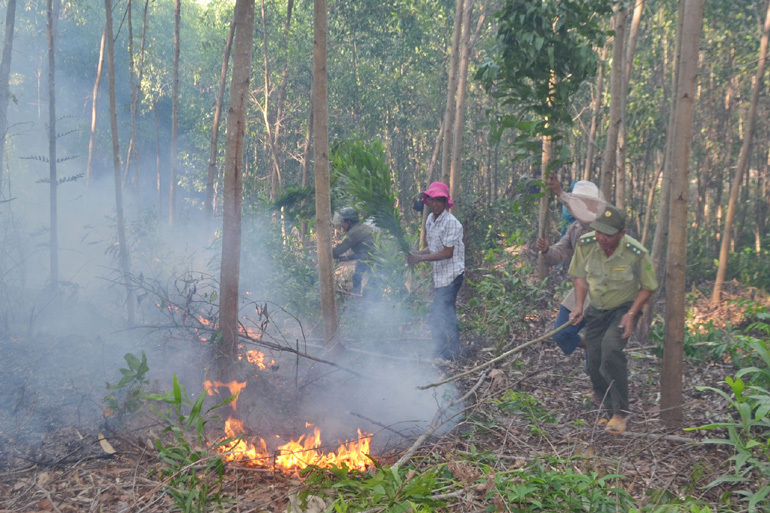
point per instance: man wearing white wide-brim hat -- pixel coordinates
(585, 205)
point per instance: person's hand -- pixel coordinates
(627, 324)
(542, 245)
(411, 259)
(576, 315)
(554, 185)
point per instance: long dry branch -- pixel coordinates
(496, 359)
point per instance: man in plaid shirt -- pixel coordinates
(447, 252)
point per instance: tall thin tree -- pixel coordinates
(94, 104)
(208, 205)
(174, 113)
(322, 179)
(676, 263)
(122, 244)
(51, 13)
(5, 74)
(616, 87)
(743, 163)
(234, 155)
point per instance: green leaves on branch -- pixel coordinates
(544, 53)
(365, 181)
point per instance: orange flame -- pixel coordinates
(233, 386)
(296, 455)
(255, 357)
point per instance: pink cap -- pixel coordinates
(438, 190)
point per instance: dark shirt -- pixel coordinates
(359, 239)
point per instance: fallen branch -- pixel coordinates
(496, 359)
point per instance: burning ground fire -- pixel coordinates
(293, 455)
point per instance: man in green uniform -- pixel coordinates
(359, 239)
(616, 272)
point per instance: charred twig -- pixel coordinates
(496, 359)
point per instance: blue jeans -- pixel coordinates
(442, 318)
(568, 338)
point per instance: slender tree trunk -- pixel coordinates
(597, 108)
(284, 75)
(743, 164)
(53, 182)
(446, 151)
(321, 159)
(676, 266)
(542, 268)
(275, 180)
(616, 88)
(208, 206)
(94, 103)
(132, 105)
(174, 114)
(306, 164)
(157, 158)
(459, 125)
(123, 246)
(650, 203)
(234, 154)
(5, 74)
(431, 174)
(660, 242)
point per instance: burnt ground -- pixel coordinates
(51, 458)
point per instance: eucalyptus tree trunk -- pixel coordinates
(275, 176)
(121, 224)
(446, 150)
(132, 105)
(459, 118)
(322, 184)
(306, 165)
(174, 114)
(234, 155)
(5, 74)
(208, 205)
(542, 267)
(616, 88)
(94, 103)
(597, 108)
(53, 182)
(158, 181)
(743, 164)
(660, 243)
(676, 264)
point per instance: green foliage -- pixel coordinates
(705, 343)
(192, 471)
(552, 484)
(366, 183)
(747, 434)
(520, 403)
(503, 296)
(545, 51)
(128, 396)
(390, 489)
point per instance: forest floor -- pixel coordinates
(62, 466)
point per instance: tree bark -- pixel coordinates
(459, 118)
(446, 151)
(322, 185)
(5, 74)
(616, 87)
(743, 164)
(53, 183)
(597, 108)
(174, 113)
(275, 177)
(234, 155)
(208, 205)
(123, 246)
(94, 103)
(676, 264)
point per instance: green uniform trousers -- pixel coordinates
(607, 366)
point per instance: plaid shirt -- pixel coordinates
(446, 232)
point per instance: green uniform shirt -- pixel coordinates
(359, 239)
(616, 279)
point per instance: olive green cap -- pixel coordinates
(611, 221)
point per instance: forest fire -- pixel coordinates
(255, 357)
(293, 455)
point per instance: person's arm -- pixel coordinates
(581, 291)
(627, 322)
(427, 256)
(342, 247)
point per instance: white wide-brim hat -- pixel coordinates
(585, 202)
